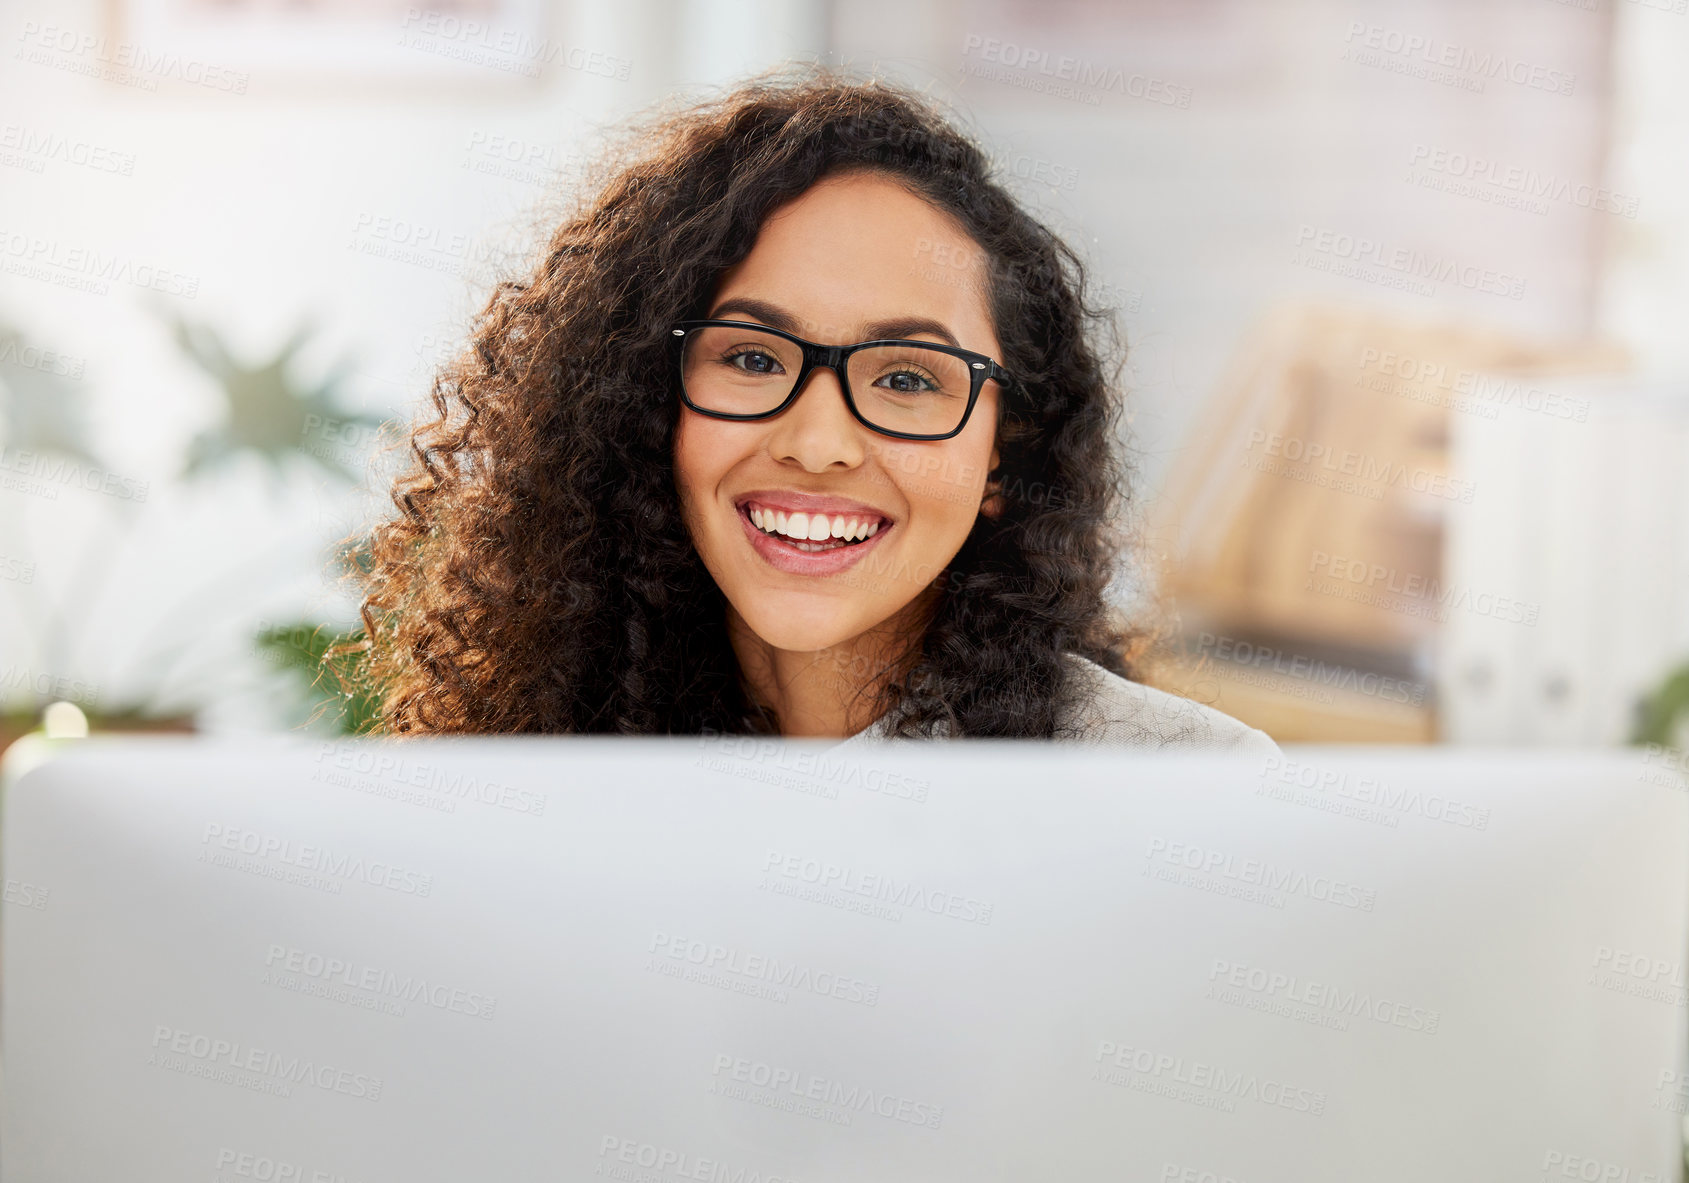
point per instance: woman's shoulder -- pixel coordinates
(1119, 712)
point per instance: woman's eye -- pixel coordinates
(906, 382)
(754, 361)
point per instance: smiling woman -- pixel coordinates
(799, 428)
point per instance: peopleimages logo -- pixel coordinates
(1433, 52)
(1559, 1164)
(264, 1169)
(339, 972)
(1370, 470)
(1411, 374)
(829, 772)
(658, 1160)
(1318, 996)
(122, 61)
(1415, 264)
(1369, 790)
(1517, 180)
(1665, 766)
(56, 471)
(478, 43)
(333, 866)
(1639, 975)
(15, 677)
(1377, 579)
(1160, 1067)
(1256, 873)
(352, 758)
(1172, 1172)
(763, 967)
(1264, 657)
(23, 893)
(47, 361)
(39, 147)
(1029, 68)
(1036, 169)
(819, 1089)
(86, 268)
(201, 1055)
(885, 889)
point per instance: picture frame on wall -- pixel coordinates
(234, 46)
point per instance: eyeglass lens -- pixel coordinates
(897, 387)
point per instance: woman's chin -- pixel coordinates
(800, 641)
(799, 632)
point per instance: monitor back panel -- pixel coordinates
(731, 960)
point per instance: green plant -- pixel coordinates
(1662, 716)
(268, 414)
(300, 648)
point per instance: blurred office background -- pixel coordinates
(1401, 282)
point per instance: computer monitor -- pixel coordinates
(733, 959)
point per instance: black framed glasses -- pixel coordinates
(913, 390)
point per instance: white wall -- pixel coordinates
(1190, 214)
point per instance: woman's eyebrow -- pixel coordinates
(878, 330)
(908, 326)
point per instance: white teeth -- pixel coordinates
(804, 528)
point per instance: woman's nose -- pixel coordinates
(818, 430)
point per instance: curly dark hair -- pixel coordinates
(539, 576)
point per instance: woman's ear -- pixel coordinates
(991, 505)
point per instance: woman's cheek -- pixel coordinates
(947, 478)
(699, 464)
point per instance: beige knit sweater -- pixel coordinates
(1121, 713)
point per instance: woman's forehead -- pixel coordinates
(861, 248)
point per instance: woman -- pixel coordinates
(796, 428)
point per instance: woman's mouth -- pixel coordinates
(811, 543)
(814, 532)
